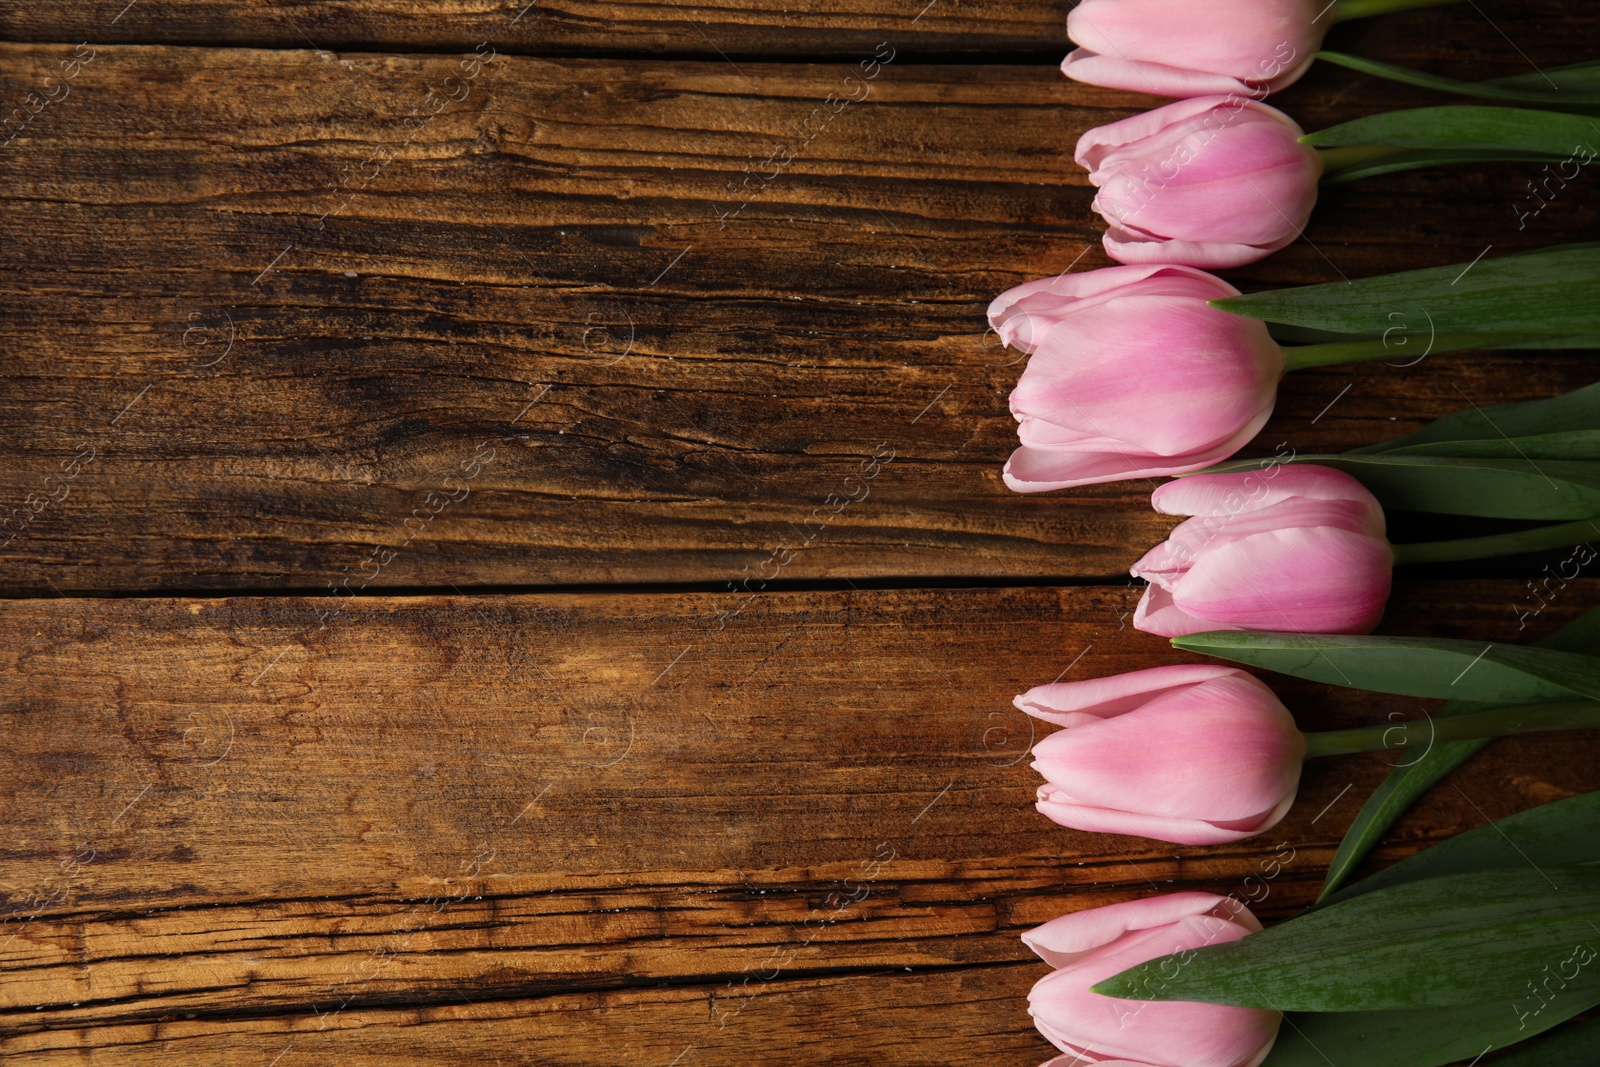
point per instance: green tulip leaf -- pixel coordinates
(1573, 1047)
(1572, 87)
(1414, 777)
(1464, 939)
(1484, 129)
(1305, 335)
(1574, 411)
(1554, 292)
(1534, 460)
(1575, 78)
(1395, 796)
(1396, 160)
(1568, 444)
(1426, 1037)
(1578, 340)
(1558, 834)
(1483, 671)
(1521, 488)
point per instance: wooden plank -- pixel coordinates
(692, 27)
(265, 330)
(895, 1019)
(1462, 38)
(555, 813)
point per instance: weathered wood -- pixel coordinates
(271, 322)
(263, 329)
(889, 1018)
(1461, 39)
(222, 809)
(689, 27)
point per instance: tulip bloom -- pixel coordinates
(1296, 547)
(1182, 48)
(1209, 182)
(1133, 375)
(1196, 755)
(1089, 946)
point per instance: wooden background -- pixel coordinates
(397, 663)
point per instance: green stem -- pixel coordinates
(1420, 733)
(1561, 535)
(1360, 9)
(1299, 357)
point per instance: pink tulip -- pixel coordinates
(1183, 48)
(1133, 375)
(1296, 547)
(1209, 182)
(1197, 755)
(1090, 946)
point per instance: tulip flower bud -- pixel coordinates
(1197, 755)
(1133, 375)
(1089, 946)
(1295, 547)
(1209, 182)
(1182, 48)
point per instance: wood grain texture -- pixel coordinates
(278, 318)
(690, 27)
(278, 331)
(577, 822)
(1482, 38)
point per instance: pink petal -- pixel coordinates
(1103, 698)
(1171, 1032)
(1224, 751)
(1246, 39)
(1080, 285)
(1217, 494)
(1164, 376)
(1098, 143)
(1192, 538)
(1168, 1033)
(1260, 205)
(1157, 79)
(1157, 614)
(1013, 312)
(1033, 470)
(1042, 433)
(1316, 580)
(1156, 827)
(1063, 940)
(1126, 247)
(1209, 172)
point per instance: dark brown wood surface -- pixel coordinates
(1485, 38)
(571, 827)
(404, 411)
(276, 312)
